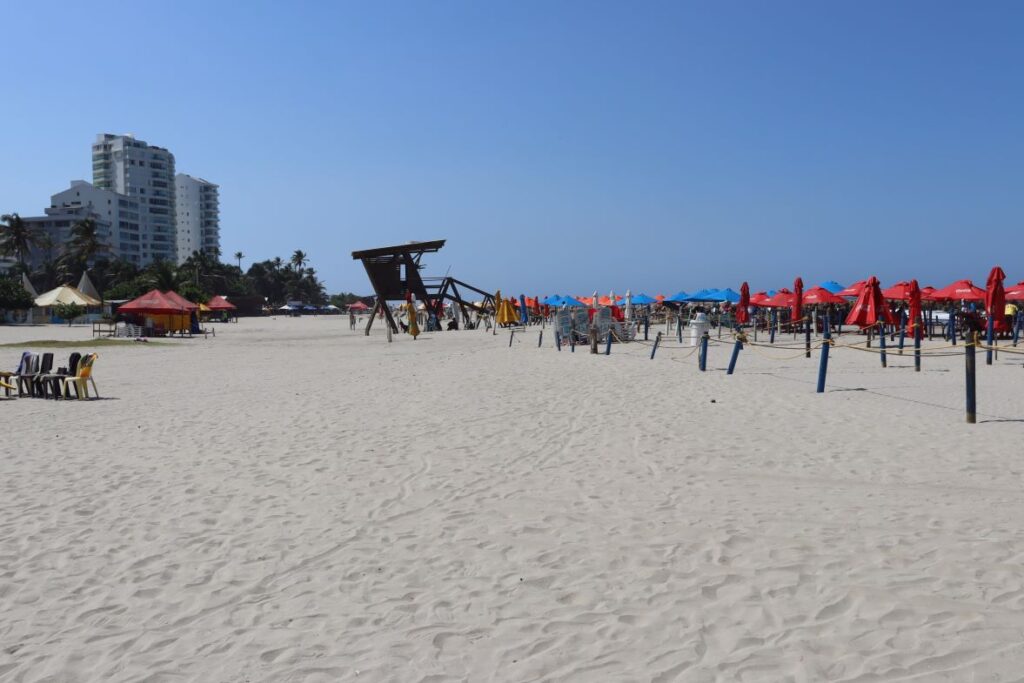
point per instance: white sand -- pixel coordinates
(292, 501)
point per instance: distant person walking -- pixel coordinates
(351, 320)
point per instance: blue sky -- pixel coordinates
(558, 146)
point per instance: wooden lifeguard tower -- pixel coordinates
(393, 271)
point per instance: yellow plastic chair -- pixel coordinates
(81, 379)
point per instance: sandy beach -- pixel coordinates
(294, 501)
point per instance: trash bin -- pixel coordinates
(695, 330)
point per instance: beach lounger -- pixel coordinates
(81, 379)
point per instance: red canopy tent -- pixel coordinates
(870, 307)
(219, 303)
(959, 290)
(659, 298)
(853, 290)
(927, 292)
(358, 306)
(781, 299)
(155, 302)
(820, 295)
(995, 299)
(742, 312)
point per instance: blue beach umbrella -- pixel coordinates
(641, 299)
(703, 295)
(678, 297)
(729, 295)
(832, 286)
(553, 300)
(569, 301)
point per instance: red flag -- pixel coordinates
(870, 307)
(995, 299)
(798, 299)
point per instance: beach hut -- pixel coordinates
(86, 287)
(65, 294)
(220, 307)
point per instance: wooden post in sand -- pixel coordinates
(540, 337)
(512, 333)
(702, 354)
(558, 340)
(608, 344)
(647, 324)
(823, 359)
(654, 349)
(918, 333)
(737, 347)
(903, 328)
(771, 327)
(989, 334)
(807, 337)
(969, 364)
(881, 345)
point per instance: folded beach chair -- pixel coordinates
(52, 381)
(581, 324)
(81, 379)
(35, 368)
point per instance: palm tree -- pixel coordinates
(299, 259)
(85, 241)
(162, 275)
(16, 237)
(239, 256)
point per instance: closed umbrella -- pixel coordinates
(798, 299)
(995, 299)
(870, 307)
(914, 296)
(742, 309)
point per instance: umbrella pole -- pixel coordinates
(917, 347)
(969, 364)
(881, 346)
(903, 328)
(823, 358)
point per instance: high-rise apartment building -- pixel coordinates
(197, 216)
(145, 173)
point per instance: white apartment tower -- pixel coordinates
(145, 173)
(197, 214)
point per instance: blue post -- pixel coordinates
(972, 408)
(881, 345)
(540, 338)
(572, 341)
(702, 354)
(608, 345)
(737, 347)
(1016, 327)
(952, 327)
(989, 333)
(654, 349)
(558, 340)
(807, 337)
(903, 329)
(823, 359)
(679, 326)
(647, 323)
(771, 328)
(918, 333)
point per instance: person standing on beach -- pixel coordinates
(351, 319)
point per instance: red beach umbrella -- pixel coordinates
(898, 292)
(781, 299)
(914, 296)
(742, 312)
(820, 295)
(659, 298)
(870, 307)
(798, 299)
(853, 290)
(995, 299)
(758, 299)
(928, 293)
(1015, 292)
(960, 290)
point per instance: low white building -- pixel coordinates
(197, 215)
